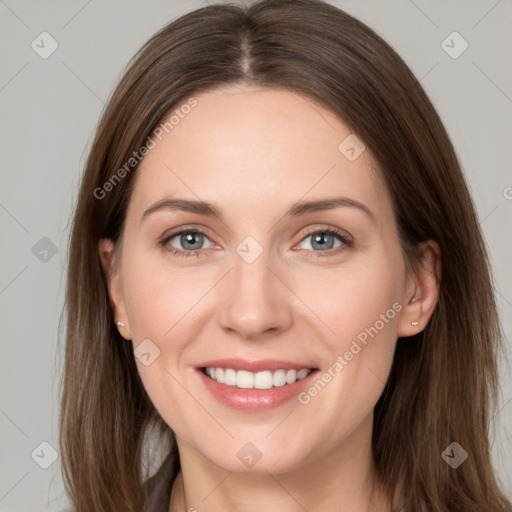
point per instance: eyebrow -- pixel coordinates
(298, 209)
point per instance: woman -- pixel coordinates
(329, 339)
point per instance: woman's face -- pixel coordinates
(289, 261)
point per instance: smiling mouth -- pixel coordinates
(266, 379)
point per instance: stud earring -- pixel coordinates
(414, 323)
(119, 324)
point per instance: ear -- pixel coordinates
(110, 263)
(421, 291)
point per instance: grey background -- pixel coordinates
(49, 110)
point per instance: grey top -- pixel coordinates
(159, 486)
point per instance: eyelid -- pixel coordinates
(184, 229)
(344, 235)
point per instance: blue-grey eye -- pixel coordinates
(323, 240)
(189, 240)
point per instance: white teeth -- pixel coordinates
(230, 377)
(244, 379)
(291, 376)
(301, 374)
(256, 380)
(279, 378)
(263, 380)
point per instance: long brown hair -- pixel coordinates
(443, 384)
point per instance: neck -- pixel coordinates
(342, 480)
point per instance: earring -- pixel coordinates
(414, 323)
(119, 324)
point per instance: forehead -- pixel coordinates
(252, 149)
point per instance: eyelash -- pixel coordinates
(318, 254)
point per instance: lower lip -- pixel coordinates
(255, 399)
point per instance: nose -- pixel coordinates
(255, 299)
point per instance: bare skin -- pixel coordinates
(253, 153)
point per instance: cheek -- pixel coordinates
(360, 303)
(160, 305)
(165, 304)
(158, 296)
(354, 297)
(149, 301)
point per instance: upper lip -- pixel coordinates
(254, 366)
